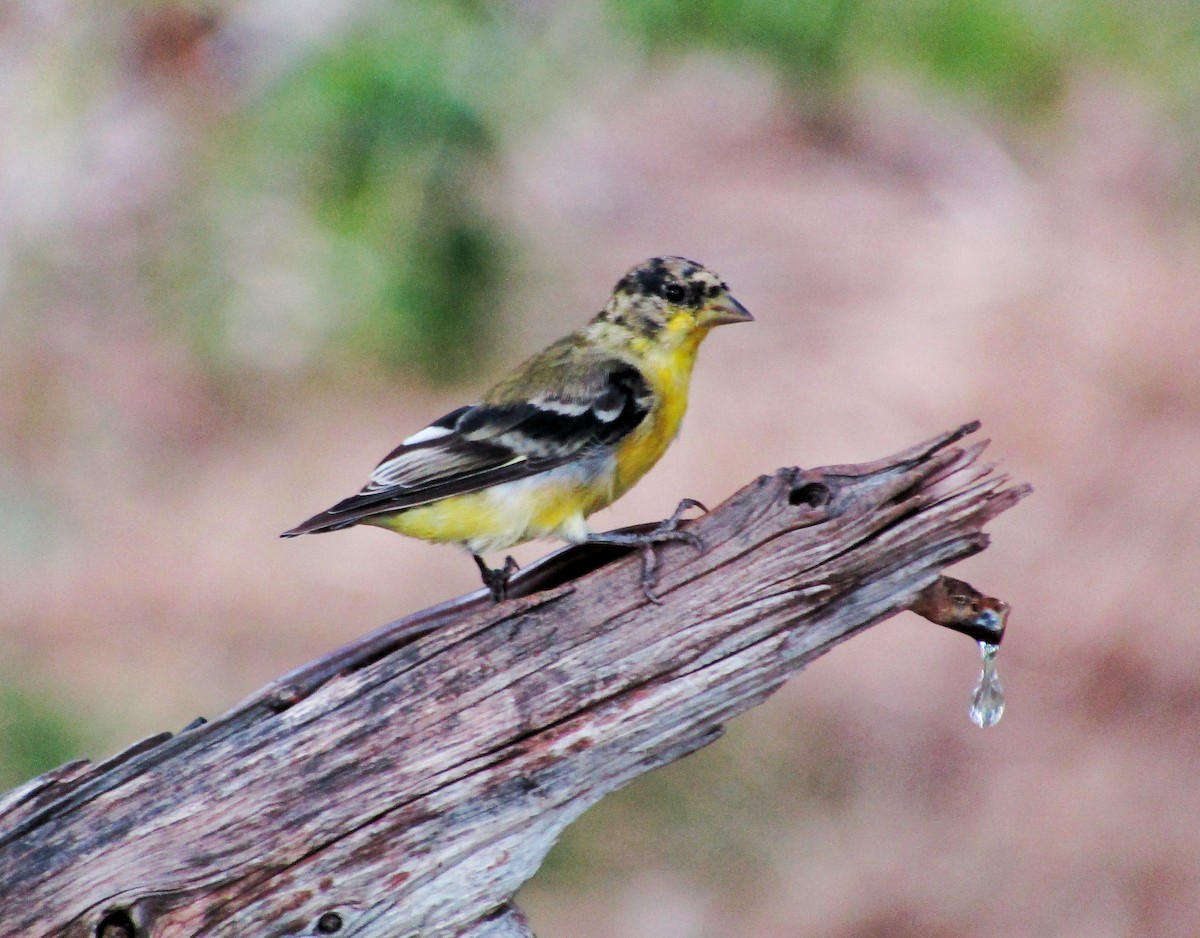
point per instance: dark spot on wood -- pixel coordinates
(116, 924)
(330, 923)
(301, 897)
(131, 752)
(284, 698)
(811, 494)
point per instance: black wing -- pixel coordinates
(498, 441)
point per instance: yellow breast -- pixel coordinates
(555, 503)
(669, 377)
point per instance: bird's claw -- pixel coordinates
(667, 531)
(496, 580)
(664, 533)
(684, 505)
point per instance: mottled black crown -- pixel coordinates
(677, 280)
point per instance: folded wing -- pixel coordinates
(591, 404)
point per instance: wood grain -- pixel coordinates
(410, 783)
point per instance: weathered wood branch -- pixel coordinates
(411, 782)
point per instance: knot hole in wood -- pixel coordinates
(810, 494)
(116, 924)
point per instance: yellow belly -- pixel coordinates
(646, 445)
(557, 502)
(551, 504)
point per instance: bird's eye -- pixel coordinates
(674, 292)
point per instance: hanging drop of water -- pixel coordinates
(987, 704)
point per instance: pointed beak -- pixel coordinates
(722, 310)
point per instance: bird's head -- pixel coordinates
(671, 300)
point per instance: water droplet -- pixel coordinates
(987, 704)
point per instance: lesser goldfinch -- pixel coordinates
(562, 436)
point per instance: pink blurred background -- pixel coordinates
(913, 261)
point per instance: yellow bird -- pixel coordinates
(565, 434)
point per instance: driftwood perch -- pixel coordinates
(410, 783)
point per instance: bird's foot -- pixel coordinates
(677, 515)
(496, 580)
(666, 532)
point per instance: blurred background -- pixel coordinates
(245, 247)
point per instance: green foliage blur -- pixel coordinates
(1011, 55)
(336, 214)
(392, 133)
(375, 151)
(35, 735)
